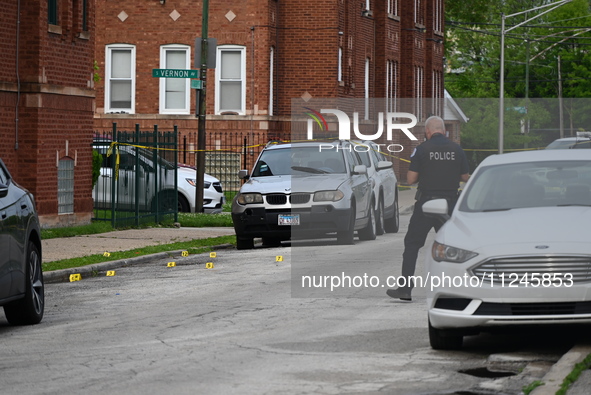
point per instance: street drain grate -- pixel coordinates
(485, 373)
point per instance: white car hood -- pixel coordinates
(547, 230)
(187, 172)
(291, 184)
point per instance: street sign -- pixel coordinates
(175, 73)
(196, 84)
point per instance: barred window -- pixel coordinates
(65, 186)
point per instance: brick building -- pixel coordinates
(47, 103)
(268, 52)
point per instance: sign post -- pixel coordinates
(201, 112)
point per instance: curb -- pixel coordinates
(63, 275)
(558, 372)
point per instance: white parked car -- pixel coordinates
(385, 186)
(144, 178)
(516, 249)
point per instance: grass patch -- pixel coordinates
(92, 228)
(193, 247)
(532, 386)
(574, 375)
(201, 220)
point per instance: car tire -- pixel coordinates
(392, 224)
(347, 236)
(380, 219)
(183, 204)
(244, 243)
(369, 232)
(442, 339)
(29, 310)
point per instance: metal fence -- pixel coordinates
(138, 181)
(227, 153)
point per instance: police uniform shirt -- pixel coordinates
(440, 162)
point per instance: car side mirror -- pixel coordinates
(243, 175)
(360, 169)
(384, 164)
(3, 190)
(437, 208)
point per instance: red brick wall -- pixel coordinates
(55, 103)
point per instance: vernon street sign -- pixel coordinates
(175, 73)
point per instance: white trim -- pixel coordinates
(367, 65)
(108, 66)
(242, 79)
(162, 83)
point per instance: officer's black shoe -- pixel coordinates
(399, 293)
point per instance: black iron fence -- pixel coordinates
(138, 182)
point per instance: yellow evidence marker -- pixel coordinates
(106, 254)
(110, 273)
(209, 265)
(212, 254)
(171, 264)
(75, 277)
(185, 253)
(278, 258)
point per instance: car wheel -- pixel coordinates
(271, 242)
(244, 243)
(347, 236)
(392, 225)
(183, 204)
(166, 202)
(29, 310)
(380, 219)
(441, 339)
(369, 232)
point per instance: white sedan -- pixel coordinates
(516, 249)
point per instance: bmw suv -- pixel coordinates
(304, 190)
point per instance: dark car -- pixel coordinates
(21, 276)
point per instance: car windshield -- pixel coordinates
(523, 185)
(299, 160)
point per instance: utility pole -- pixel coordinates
(201, 112)
(560, 109)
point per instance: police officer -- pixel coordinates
(438, 165)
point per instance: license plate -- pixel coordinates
(285, 219)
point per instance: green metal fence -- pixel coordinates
(138, 182)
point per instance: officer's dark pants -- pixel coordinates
(418, 229)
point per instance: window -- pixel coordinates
(84, 15)
(418, 13)
(271, 79)
(392, 7)
(174, 92)
(340, 67)
(65, 186)
(367, 65)
(120, 79)
(391, 92)
(438, 17)
(367, 5)
(230, 93)
(437, 92)
(419, 79)
(52, 12)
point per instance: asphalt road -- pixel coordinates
(246, 326)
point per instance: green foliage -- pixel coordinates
(532, 386)
(96, 76)
(574, 375)
(97, 160)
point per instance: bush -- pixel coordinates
(97, 161)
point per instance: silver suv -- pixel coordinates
(305, 190)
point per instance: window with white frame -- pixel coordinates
(418, 13)
(230, 80)
(120, 78)
(65, 186)
(271, 79)
(340, 65)
(367, 5)
(437, 92)
(419, 80)
(174, 92)
(367, 69)
(392, 7)
(391, 91)
(438, 16)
